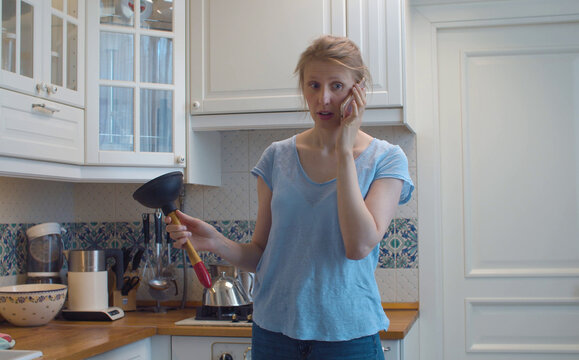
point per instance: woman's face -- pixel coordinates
(326, 85)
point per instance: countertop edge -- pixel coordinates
(106, 336)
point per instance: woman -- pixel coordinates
(325, 199)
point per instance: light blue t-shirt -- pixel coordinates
(305, 286)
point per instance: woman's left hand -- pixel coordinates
(351, 124)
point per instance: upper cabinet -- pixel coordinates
(136, 96)
(42, 49)
(243, 55)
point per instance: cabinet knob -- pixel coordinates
(51, 89)
(195, 105)
(40, 87)
(180, 159)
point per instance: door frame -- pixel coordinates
(424, 19)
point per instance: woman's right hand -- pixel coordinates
(201, 234)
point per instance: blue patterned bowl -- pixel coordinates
(31, 304)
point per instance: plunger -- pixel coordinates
(162, 192)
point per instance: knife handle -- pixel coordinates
(146, 229)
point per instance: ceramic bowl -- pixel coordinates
(31, 304)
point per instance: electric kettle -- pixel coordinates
(88, 278)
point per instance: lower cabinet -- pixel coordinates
(218, 348)
(154, 348)
(404, 349)
(210, 348)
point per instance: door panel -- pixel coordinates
(510, 226)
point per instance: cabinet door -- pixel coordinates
(63, 62)
(243, 54)
(21, 45)
(136, 83)
(391, 349)
(376, 27)
(42, 51)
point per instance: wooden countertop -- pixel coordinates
(75, 340)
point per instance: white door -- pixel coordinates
(509, 145)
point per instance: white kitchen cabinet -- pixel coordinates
(42, 52)
(205, 348)
(152, 348)
(404, 349)
(35, 128)
(136, 84)
(243, 55)
(202, 348)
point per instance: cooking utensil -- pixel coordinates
(158, 281)
(162, 192)
(159, 284)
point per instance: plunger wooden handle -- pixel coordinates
(198, 266)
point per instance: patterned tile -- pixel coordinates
(124, 208)
(93, 235)
(406, 232)
(406, 285)
(13, 254)
(235, 148)
(193, 201)
(387, 257)
(259, 140)
(386, 281)
(238, 231)
(230, 201)
(94, 202)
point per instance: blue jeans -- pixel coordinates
(267, 345)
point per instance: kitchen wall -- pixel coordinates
(105, 215)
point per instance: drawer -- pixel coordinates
(38, 129)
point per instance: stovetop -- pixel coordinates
(221, 316)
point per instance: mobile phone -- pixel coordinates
(346, 107)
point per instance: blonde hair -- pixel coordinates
(340, 50)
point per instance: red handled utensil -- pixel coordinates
(162, 192)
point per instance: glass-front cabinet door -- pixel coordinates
(42, 49)
(136, 82)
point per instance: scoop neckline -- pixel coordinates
(305, 174)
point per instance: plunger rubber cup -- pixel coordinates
(162, 192)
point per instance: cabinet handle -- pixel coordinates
(195, 105)
(51, 89)
(385, 349)
(180, 159)
(40, 87)
(246, 353)
(43, 108)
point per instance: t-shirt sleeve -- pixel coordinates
(264, 167)
(395, 165)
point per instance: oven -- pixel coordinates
(213, 347)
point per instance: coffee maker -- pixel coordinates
(45, 256)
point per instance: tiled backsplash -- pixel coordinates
(106, 216)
